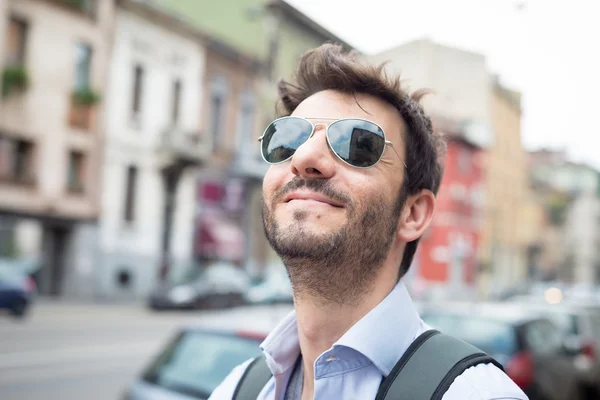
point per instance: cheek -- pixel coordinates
(272, 181)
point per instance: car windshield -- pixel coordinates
(217, 272)
(10, 274)
(196, 362)
(184, 275)
(493, 337)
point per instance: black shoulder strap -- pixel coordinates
(253, 381)
(429, 366)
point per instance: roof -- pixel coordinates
(501, 312)
(513, 97)
(182, 25)
(307, 22)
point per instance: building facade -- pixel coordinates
(460, 107)
(447, 253)
(504, 241)
(154, 148)
(229, 190)
(251, 51)
(570, 194)
(53, 56)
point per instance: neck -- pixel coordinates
(322, 323)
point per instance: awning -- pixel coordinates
(220, 238)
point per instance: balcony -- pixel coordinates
(21, 180)
(178, 146)
(75, 188)
(82, 110)
(15, 79)
(250, 164)
(86, 8)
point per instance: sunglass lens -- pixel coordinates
(357, 142)
(283, 137)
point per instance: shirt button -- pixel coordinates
(331, 359)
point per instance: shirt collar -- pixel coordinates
(282, 347)
(382, 335)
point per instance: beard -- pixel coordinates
(337, 267)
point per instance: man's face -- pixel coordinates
(333, 224)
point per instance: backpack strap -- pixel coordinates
(425, 372)
(429, 366)
(253, 381)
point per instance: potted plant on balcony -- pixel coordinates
(82, 107)
(14, 78)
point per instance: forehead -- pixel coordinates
(332, 104)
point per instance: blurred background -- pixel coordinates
(133, 262)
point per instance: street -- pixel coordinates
(72, 351)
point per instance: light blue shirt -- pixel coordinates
(355, 365)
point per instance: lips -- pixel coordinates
(307, 195)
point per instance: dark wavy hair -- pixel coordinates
(331, 67)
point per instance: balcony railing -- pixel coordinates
(86, 8)
(25, 180)
(76, 187)
(178, 145)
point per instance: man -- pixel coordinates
(351, 187)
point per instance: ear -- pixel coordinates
(416, 216)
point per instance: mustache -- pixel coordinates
(321, 186)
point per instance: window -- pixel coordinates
(16, 160)
(17, 38)
(7, 238)
(491, 336)
(543, 337)
(194, 363)
(75, 177)
(216, 112)
(23, 152)
(83, 66)
(5, 158)
(138, 82)
(464, 161)
(245, 126)
(218, 95)
(130, 188)
(175, 101)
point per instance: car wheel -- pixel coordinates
(19, 308)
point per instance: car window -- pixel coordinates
(10, 274)
(595, 324)
(566, 322)
(196, 362)
(543, 337)
(493, 337)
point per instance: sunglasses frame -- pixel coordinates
(334, 120)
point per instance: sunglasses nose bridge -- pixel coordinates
(316, 128)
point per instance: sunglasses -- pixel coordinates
(357, 142)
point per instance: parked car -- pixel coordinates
(531, 348)
(194, 364)
(581, 326)
(17, 290)
(199, 357)
(274, 289)
(219, 285)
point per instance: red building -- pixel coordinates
(448, 251)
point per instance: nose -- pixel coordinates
(313, 160)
